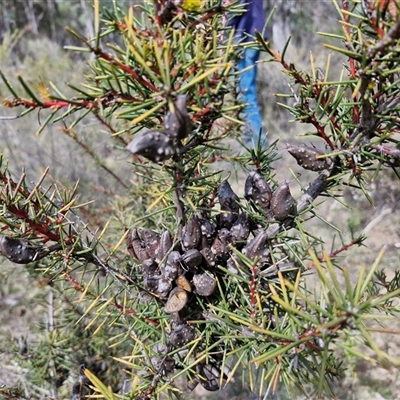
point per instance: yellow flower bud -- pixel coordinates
(193, 5)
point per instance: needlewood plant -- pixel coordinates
(195, 278)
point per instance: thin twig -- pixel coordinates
(381, 47)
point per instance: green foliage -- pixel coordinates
(144, 324)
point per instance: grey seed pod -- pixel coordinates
(192, 384)
(19, 251)
(183, 283)
(136, 247)
(151, 241)
(149, 268)
(228, 199)
(264, 256)
(211, 385)
(151, 283)
(160, 349)
(257, 246)
(191, 234)
(208, 256)
(181, 335)
(176, 301)
(204, 284)
(165, 245)
(231, 266)
(207, 229)
(211, 375)
(204, 243)
(220, 246)
(272, 270)
(168, 364)
(177, 123)
(320, 342)
(192, 258)
(171, 268)
(283, 204)
(240, 229)
(164, 287)
(154, 145)
(307, 157)
(229, 202)
(257, 189)
(248, 186)
(156, 362)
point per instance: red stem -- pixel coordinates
(336, 252)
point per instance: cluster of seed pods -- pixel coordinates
(182, 268)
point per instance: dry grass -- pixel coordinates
(44, 62)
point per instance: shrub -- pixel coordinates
(182, 281)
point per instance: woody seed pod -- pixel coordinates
(151, 283)
(164, 246)
(168, 363)
(149, 267)
(231, 265)
(191, 234)
(204, 284)
(208, 256)
(211, 375)
(19, 251)
(164, 287)
(220, 246)
(229, 202)
(192, 384)
(182, 282)
(241, 228)
(204, 243)
(176, 301)
(136, 247)
(182, 335)
(257, 189)
(151, 241)
(154, 145)
(171, 268)
(272, 270)
(207, 229)
(307, 157)
(177, 123)
(257, 247)
(283, 204)
(192, 258)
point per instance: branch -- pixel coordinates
(383, 44)
(393, 154)
(314, 190)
